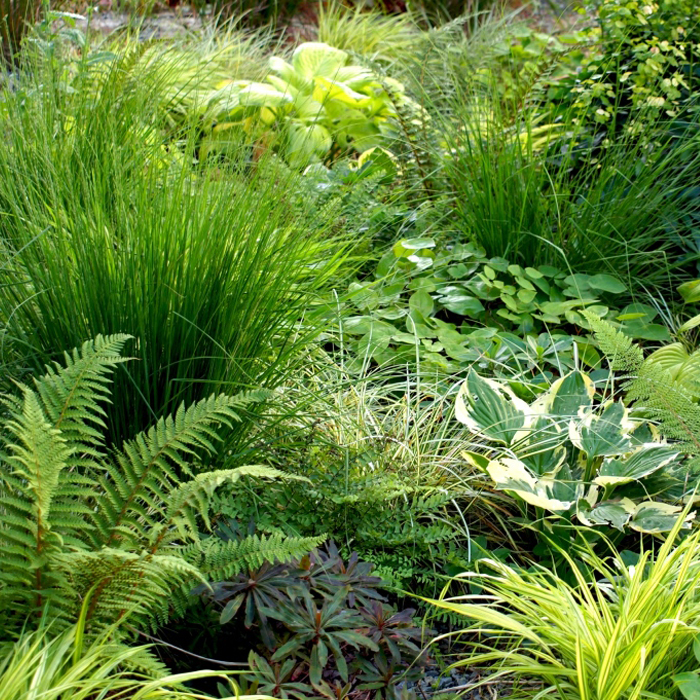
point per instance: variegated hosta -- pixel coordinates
(309, 105)
(572, 458)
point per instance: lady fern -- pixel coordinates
(126, 526)
(651, 387)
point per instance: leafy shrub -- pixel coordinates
(319, 619)
(649, 54)
(567, 457)
(310, 109)
(123, 526)
(622, 633)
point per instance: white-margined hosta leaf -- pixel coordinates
(613, 514)
(652, 517)
(490, 409)
(512, 475)
(603, 434)
(570, 395)
(645, 460)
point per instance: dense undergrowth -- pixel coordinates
(329, 364)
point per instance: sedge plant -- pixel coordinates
(107, 225)
(48, 665)
(619, 631)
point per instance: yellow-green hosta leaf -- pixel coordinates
(491, 409)
(282, 85)
(357, 77)
(512, 475)
(225, 99)
(306, 142)
(646, 460)
(359, 135)
(683, 367)
(285, 71)
(262, 95)
(317, 59)
(326, 89)
(691, 323)
(307, 108)
(690, 291)
(603, 434)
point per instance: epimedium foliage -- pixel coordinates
(455, 307)
(122, 528)
(320, 622)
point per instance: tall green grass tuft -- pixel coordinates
(106, 227)
(539, 187)
(542, 193)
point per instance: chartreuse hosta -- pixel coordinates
(571, 458)
(309, 106)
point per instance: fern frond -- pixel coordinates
(622, 352)
(71, 395)
(193, 499)
(220, 560)
(139, 585)
(131, 538)
(149, 467)
(652, 386)
(36, 456)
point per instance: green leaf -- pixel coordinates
(689, 685)
(607, 283)
(262, 95)
(421, 301)
(306, 142)
(690, 291)
(608, 514)
(646, 460)
(691, 323)
(315, 58)
(569, 394)
(230, 609)
(526, 295)
(462, 304)
(409, 246)
(604, 434)
(656, 518)
(512, 475)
